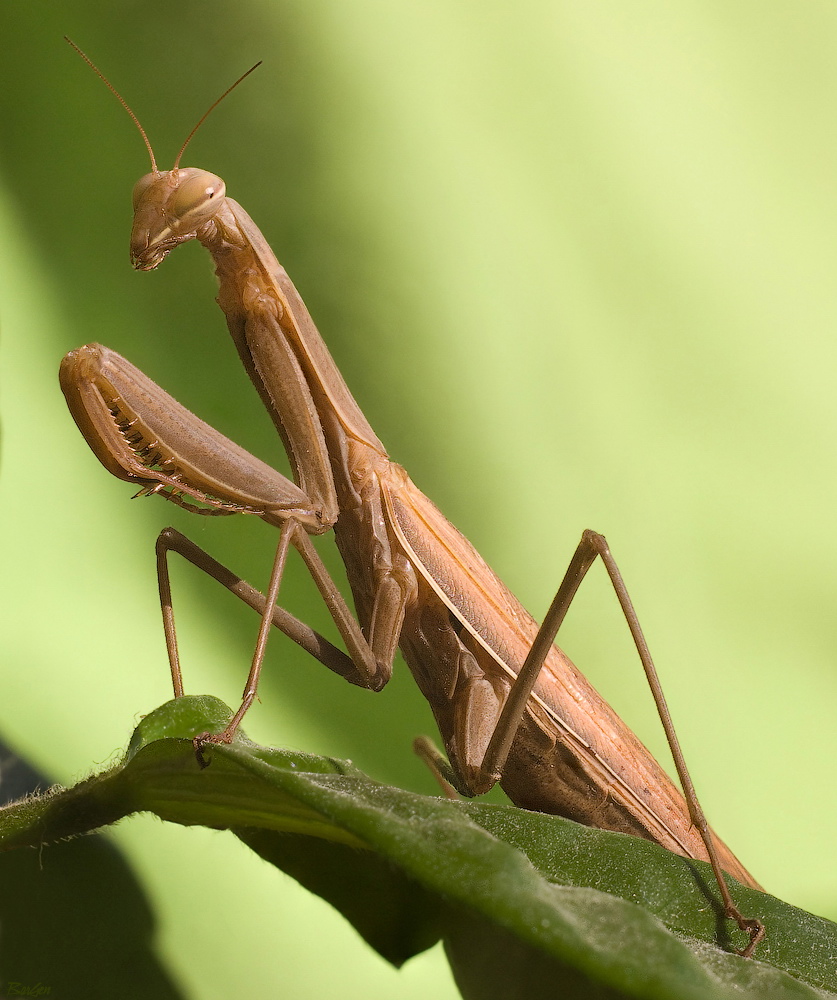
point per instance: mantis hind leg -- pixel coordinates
(591, 547)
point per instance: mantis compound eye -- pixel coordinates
(142, 185)
(197, 195)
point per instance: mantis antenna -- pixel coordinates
(209, 111)
(136, 121)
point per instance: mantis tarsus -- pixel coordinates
(510, 706)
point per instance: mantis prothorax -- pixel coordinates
(511, 707)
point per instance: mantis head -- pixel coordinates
(169, 206)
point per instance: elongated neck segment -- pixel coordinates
(283, 353)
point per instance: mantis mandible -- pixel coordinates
(510, 706)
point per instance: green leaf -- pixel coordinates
(523, 902)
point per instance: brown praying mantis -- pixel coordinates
(510, 705)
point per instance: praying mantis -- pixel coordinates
(510, 705)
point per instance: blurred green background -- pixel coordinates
(576, 261)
